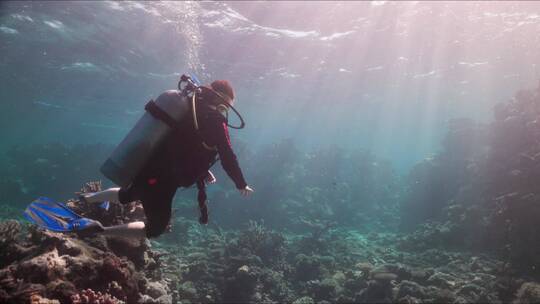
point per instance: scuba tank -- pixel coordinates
(162, 115)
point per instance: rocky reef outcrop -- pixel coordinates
(37, 265)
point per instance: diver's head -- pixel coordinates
(223, 100)
(224, 91)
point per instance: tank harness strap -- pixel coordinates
(196, 124)
(152, 108)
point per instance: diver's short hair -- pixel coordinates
(224, 87)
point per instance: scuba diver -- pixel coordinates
(182, 159)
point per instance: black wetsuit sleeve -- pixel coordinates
(226, 154)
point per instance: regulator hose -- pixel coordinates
(242, 123)
(192, 86)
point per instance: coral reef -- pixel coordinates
(528, 293)
(234, 266)
(43, 267)
(219, 268)
(59, 266)
(355, 189)
(479, 193)
(332, 226)
(88, 296)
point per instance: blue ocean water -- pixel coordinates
(354, 110)
(376, 75)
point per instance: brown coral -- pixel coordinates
(89, 296)
(9, 231)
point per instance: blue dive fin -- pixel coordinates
(54, 216)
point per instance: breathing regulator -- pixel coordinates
(190, 86)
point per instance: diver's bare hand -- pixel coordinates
(210, 178)
(247, 191)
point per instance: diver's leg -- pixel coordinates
(157, 208)
(156, 200)
(131, 230)
(157, 218)
(110, 195)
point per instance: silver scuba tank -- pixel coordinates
(140, 143)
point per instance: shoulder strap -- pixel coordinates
(152, 108)
(196, 125)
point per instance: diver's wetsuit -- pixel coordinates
(182, 161)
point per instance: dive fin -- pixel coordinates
(55, 216)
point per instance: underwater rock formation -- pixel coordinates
(480, 192)
(528, 293)
(39, 265)
(88, 296)
(434, 183)
(217, 267)
(513, 171)
(59, 267)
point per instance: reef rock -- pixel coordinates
(304, 300)
(410, 289)
(47, 265)
(528, 293)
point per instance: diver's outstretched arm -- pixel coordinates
(247, 191)
(210, 178)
